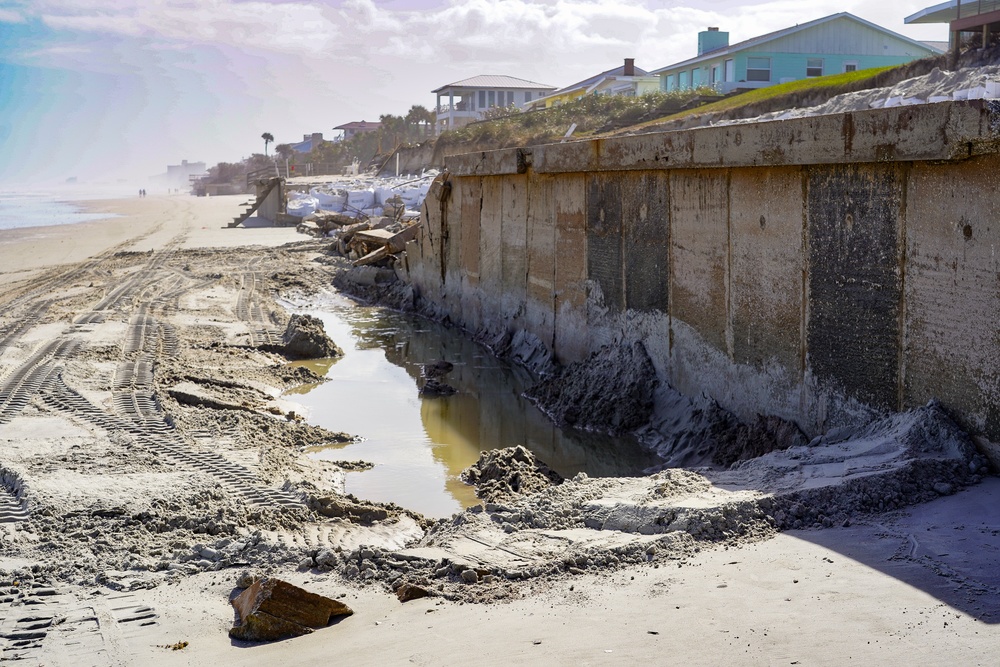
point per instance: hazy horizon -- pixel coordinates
(104, 90)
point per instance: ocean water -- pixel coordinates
(35, 208)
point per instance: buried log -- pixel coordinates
(272, 609)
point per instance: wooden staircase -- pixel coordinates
(272, 183)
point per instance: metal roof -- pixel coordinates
(359, 125)
(496, 81)
(587, 83)
(947, 12)
(771, 36)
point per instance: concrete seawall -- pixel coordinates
(822, 269)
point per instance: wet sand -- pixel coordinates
(917, 585)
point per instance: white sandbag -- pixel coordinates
(329, 201)
(382, 195)
(360, 199)
(301, 206)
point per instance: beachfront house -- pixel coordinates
(971, 23)
(308, 143)
(830, 45)
(626, 80)
(355, 128)
(465, 101)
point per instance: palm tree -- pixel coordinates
(268, 138)
(392, 128)
(419, 116)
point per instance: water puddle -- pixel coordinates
(420, 446)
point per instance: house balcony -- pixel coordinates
(449, 118)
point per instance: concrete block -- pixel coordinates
(936, 132)
(486, 163)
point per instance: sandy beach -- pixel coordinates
(148, 457)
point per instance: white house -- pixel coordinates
(467, 100)
(626, 79)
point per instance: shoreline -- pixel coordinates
(915, 585)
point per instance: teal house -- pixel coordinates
(830, 45)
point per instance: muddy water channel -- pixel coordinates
(421, 445)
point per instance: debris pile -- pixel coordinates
(503, 475)
(399, 198)
(305, 338)
(371, 220)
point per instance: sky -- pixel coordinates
(117, 89)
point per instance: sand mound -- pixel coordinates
(502, 475)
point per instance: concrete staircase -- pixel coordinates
(262, 194)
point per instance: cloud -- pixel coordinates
(201, 79)
(11, 16)
(116, 25)
(476, 33)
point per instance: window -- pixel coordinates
(682, 80)
(527, 96)
(492, 97)
(715, 75)
(850, 65)
(482, 99)
(730, 70)
(814, 67)
(758, 69)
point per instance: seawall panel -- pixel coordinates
(953, 290)
(451, 242)
(699, 273)
(470, 194)
(514, 254)
(569, 200)
(646, 242)
(767, 218)
(540, 306)
(604, 245)
(853, 327)
(490, 247)
(699, 252)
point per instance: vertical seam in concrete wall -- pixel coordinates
(804, 317)
(526, 324)
(588, 283)
(905, 170)
(729, 266)
(670, 278)
(621, 244)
